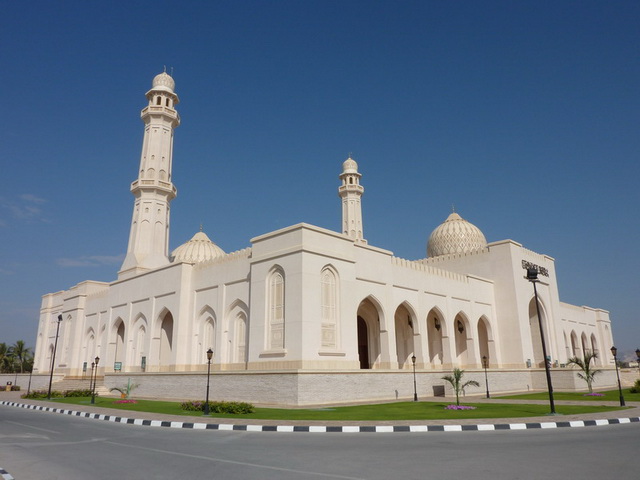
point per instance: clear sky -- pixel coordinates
(522, 114)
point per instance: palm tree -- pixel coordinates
(5, 358)
(456, 382)
(588, 373)
(20, 352)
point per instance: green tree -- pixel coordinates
(456, 382)
(5, 358)
(588, 372)
(20, 352)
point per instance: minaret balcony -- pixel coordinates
(153, 184)
(160, 110)
(345, 189)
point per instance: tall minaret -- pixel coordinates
(153, 190)
(350, 191)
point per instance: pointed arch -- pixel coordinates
(163, 340)
(89, 346)
(205, 337)
(139, 348)
(369, 317)
(436, 331)
(461, 335)
(594, 349)
(486, 343)
(586, 348)
(116, 347)
(404, 319)
(575, 349)
(534, 330)
(276, 309)
(329, 307)
(238, 320)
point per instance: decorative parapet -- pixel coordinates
(229, 257)
(536, 256)
(453, 256)
(422, 267)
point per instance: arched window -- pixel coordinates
(328, 308)
(276, 311)
(241, 337)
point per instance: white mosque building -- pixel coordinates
(306, 315)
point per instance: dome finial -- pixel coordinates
(200, 226)
(453, 208)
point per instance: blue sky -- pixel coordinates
(524, 115)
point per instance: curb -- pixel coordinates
(5, 475)
(329, 429)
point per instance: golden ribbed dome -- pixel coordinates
(199, 249)
(455, 235)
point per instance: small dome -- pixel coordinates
(197, 250)
(164, 82)
(455, 235)
(349, 166)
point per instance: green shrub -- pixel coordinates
(15, 388)
(636, 387)
(236, 408)
(39, 394)
(78, 393)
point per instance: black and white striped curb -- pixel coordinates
(5, 475)
(331, 429)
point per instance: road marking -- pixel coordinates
(31, 426)
(234, 462)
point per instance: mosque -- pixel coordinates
(306, 315)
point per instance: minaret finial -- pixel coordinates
(165, 69)
(172, 71)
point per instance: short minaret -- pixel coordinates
(153, 190)
(350, 191)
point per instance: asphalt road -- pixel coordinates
(39, 445)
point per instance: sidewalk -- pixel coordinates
(632, 413)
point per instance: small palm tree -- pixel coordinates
(588, 373)
(456, 382)
(126, 390)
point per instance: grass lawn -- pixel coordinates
(609, 396)
(379, 412)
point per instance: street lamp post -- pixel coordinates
(30, 374)
(614, 352)
(206, 402)
(638, 355)
(485, 364)
(415, 389)
(532, 276)
(53, 359)
(93, 365)
(95, 378)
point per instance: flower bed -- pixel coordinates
(459, 407)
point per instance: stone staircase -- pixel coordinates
(79, 383)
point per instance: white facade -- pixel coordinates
(309, 302)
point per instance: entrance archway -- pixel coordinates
(435, 327)
(368, 334)
(166, 340)
(363, 344)
(534, 329)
